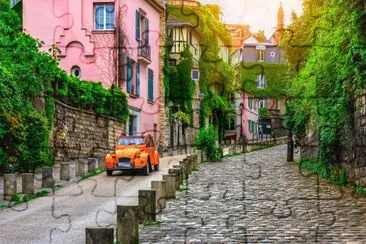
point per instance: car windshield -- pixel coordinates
(131, 141)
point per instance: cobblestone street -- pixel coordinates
(259, 198)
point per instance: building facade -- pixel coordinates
(115, 42)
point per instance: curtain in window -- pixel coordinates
(99, 17)
(109, 9)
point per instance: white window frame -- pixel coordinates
(261, 81)
(105, 16)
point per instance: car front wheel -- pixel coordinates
(109, 172)
(156, 167)
(147, 168)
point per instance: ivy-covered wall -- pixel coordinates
(30, 81)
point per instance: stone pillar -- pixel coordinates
(184, 167)
(92, 164)
(159, 187)
(204, 156)
(65, 171)
(81, 167)
(147, 206)
(177, 171)
(170, 186)
(189, 161)
(10, 186)
(127, 224)
(101, 162)
(28, 183)
(94, 235)
(199, 156)
(47, 178)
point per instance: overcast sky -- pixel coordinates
(259, 14)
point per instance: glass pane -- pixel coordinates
(99, 17)
(109, 17)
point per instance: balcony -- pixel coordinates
(144, 53)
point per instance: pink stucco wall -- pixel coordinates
(248, 114)
(70, 25)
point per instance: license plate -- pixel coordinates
(124, 165)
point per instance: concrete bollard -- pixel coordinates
(10, 186)
(204, 156)
(81, 168)
(170, 186)
(65, 171)
(127, 224)
(47, 178)
(176, 173)
(184, 165)
(195, 159)
(199, 157)
(92, 164)
(28, 183)
(95, 235)
(159, 187)
(101, 162)
(147, 206)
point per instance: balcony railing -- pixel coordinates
(144, 51)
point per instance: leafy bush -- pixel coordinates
(264, 113)
(206, 140)
(26, 73)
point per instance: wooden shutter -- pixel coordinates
(151, 85)
(129, 76)
(138, 79)
(147, 33)
(138, 25)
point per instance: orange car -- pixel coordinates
(133, 153)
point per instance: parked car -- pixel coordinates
(133, 153)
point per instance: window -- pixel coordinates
(230, 124)
(263, 103)
(104, 16)
(260, 55)
(195, 75)
(133, 122)
(142, 28)
(133, 77)
(151, 85)
(75, 71)
(261, 81)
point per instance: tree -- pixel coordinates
(260, 36)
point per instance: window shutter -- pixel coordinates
(151, 85)
(138, 24)
(138, 79)
(147, 33)
(129, 76)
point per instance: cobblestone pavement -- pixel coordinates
(259, 198)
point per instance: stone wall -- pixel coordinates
(353, 157)
(82, 134)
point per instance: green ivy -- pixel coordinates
(276, 79)
(26, 74)
(332, 75)
(216, 76)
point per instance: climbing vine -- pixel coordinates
(216, 75)
(30, 81)
(331, 75)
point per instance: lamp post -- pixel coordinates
(241, 106)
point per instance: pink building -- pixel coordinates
(249, 116)
(108, 41)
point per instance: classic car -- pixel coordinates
(133, 153)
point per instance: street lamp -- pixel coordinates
(241, 106)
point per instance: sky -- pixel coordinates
(259, 14)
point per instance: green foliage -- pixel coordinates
(214, 72)
(21, 198)
(260, 36)
(28, 75)
(276, 79)
(206, 140)
(333, 73)
(185, 118)
(336, 176)
(181, 85)
(264, 113)
(360, 190)
(92, 174)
